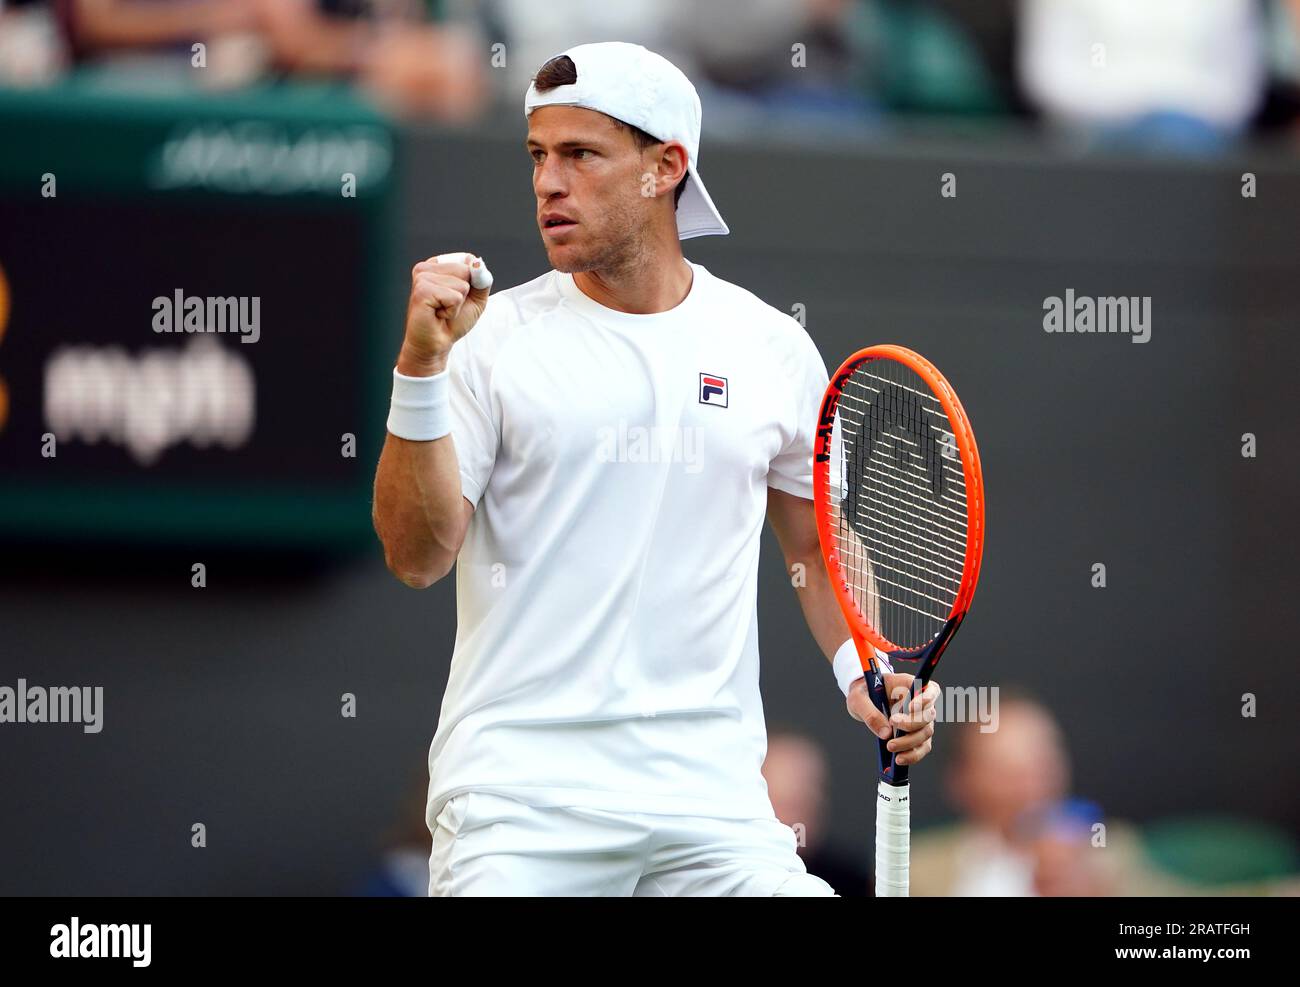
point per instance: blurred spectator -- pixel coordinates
(795, 769)
(403, 869)
(1282, 105)
(1021, 836)
(1179, 73)
(31, 50)
(1284, 37)
(534, 32)
(739, 53)
(409, 66)
(795, 60)
(783, 62)
(937, 56)
(94, 27)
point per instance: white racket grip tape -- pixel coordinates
(893, 840)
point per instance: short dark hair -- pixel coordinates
(560, 71)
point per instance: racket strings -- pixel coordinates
(900, 515)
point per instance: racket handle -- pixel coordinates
(893, 840)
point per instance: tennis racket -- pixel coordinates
(899, 498)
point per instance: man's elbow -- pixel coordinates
(418, 562)
(417, 573)
(415, 580)
(419, 578)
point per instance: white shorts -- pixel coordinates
(487, 844)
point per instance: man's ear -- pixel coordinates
(670, 155)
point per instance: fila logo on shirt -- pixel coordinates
(713, 390)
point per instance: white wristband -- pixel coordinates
(421, 409)
(847, 665)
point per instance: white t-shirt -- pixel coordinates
(607, 633)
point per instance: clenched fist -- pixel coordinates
(448, 295)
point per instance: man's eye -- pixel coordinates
(581, 150)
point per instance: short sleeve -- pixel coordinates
(791, 469)
(474, 428)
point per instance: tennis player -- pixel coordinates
(596, 459)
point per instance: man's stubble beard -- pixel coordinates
(613, 260)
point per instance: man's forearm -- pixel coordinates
(820, 607)
(419, 512)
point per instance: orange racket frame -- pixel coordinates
(863, 633)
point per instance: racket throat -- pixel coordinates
(932, 652)
(891, 772)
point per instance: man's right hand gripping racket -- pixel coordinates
(899, 498)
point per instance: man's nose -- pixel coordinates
(548, 180)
